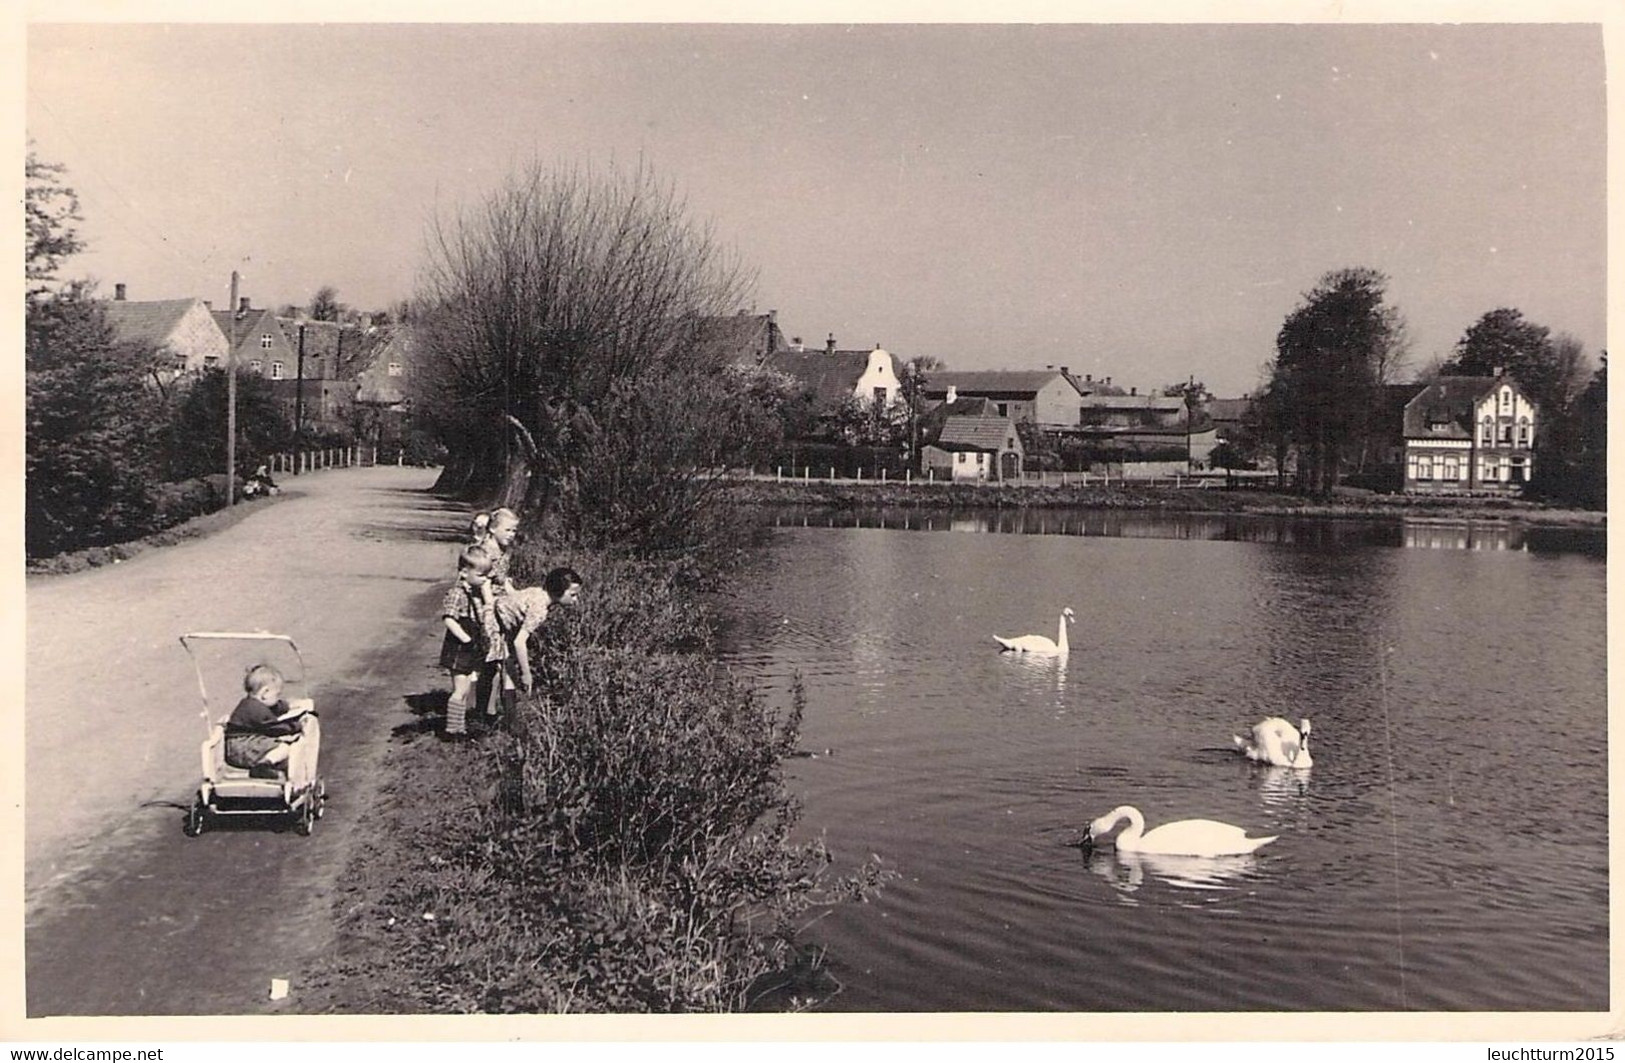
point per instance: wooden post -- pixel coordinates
(231, 400)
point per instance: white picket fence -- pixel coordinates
(303, 461)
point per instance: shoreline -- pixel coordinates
(1215, 501)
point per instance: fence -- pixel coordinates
(296, 462)
(835, 474)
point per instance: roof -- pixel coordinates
(993, 383)
(375, 386)
(1228, 409)
(1133, 402)
(151, 322)
(251, 321)
(976, 433)
(1443, 408)
(344, 348)
(743, 338)
(830, 375)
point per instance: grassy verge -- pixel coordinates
(96, 556)
(1360, 504)
(627, 848)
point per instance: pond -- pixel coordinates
(1446, 851)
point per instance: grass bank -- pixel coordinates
(95, 556)
(1352, 504)
(628, 847)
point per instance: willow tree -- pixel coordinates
(547, 302)
(1333, 354)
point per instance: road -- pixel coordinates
(123, 914)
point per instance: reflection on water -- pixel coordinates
(1127, 872)
(1316, 533)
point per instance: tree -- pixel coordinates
(911, 382)
(50, 207)
(1333, 354)
(90, 429)
(325, 305)
(197, 430)
(559, 290)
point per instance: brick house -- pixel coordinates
(262, 347)
(1464, 433)
(181, 330)
(1045, 397)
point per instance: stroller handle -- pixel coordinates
(191, 637)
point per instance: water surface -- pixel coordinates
(1447, 851)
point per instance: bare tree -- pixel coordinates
(540, 302)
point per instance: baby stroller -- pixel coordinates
(295, 791)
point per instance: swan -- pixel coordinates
(1277, 742)
(1038, 644)
(1185, 837)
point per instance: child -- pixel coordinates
(470, 631)
(519, 615)
(494, 533)
(265, 735)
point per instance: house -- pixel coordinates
(1133, 410)
(744, 338)
(1229, 416)
(833, 376)
(1045, 397)
(977, 448)
(261, 347)
(1464, 433)
(382, 381)
(181, 330)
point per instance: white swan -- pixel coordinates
(1038, 644)
(1277, 742)
(1185, 837)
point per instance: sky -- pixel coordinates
(1146, 202)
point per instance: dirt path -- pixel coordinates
(125, 915)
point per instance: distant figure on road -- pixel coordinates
(265, 733)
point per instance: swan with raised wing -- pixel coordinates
(1274, 741)
(1038, 645)
(1185, 837)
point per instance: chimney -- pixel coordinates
(118, 293)
(1064, 369)
(773, 317)
(242, 305)
(795, 343)
(1498, 369)
(1133, 391)
(208, 304)
(953, 394)
(829, 344)
(1108, 381)
(1088, 378)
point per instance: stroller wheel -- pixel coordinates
(194, 819)
(319, 798)
(307, 818)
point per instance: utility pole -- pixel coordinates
(299, 394)
(231, 400)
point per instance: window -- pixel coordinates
(394, 369)
(1506, 434)
(276, 370)
(210, 360)
(1523, 431)
(880, 396)
(1506, 400)
(960, 457)
(255, 364)
(1003, 408)
(265, 341)
(1450, 469)
(1424, 468)
(1486, 432)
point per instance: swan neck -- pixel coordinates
(1136, 825)
(1060, 639)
